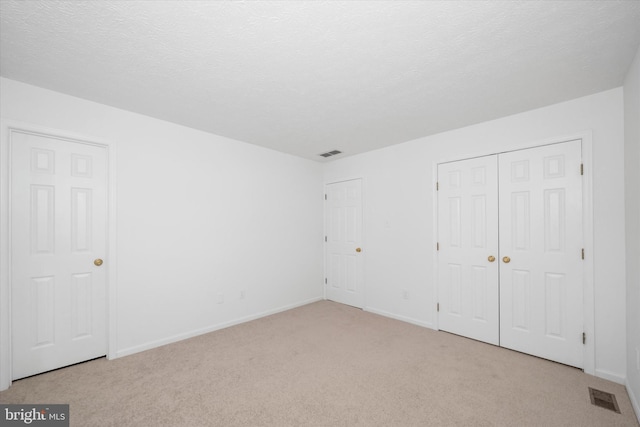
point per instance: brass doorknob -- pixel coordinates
(97, 262)
(506, 260)
(491, 258)
(358, 249)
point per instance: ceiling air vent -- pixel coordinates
(330, 153)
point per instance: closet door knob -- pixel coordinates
(506, 260)
(491, 258)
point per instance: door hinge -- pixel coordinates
(438, 307)
(581, 168)
(325, 280)
(437, 246)
(584, 338)
(325, 197)
(437, 186)
(325, 238)
(582, 253)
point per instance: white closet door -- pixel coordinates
(343, 256)
(58, 231)
(468, 237)
(541, 293)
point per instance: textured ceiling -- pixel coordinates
(309, 77)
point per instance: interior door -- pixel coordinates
(468, 248)
(541, 283)
(58, 233)
(343, 235)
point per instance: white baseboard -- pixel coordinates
(634, 400)
(212, 328)
(616, 378)
(399, 317)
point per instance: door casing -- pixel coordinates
(587, 229)
(7, 128)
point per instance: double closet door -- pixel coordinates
(510, 250)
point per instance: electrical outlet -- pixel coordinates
(405, 294)
(220, 298)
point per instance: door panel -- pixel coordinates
(467, 236)
(541, 290)
(345, 266)
(58, 228)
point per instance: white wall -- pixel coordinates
(632, 220)
(399, 214)
(197, 215)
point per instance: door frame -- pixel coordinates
(364, 239)
(7, 128)
(587, 231)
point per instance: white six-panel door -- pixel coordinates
(541, 287)
(58, 230)
(344, 258)
(468, 248)
(530, 207)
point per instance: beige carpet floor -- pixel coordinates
(325, 364)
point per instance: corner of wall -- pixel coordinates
(632, 228)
